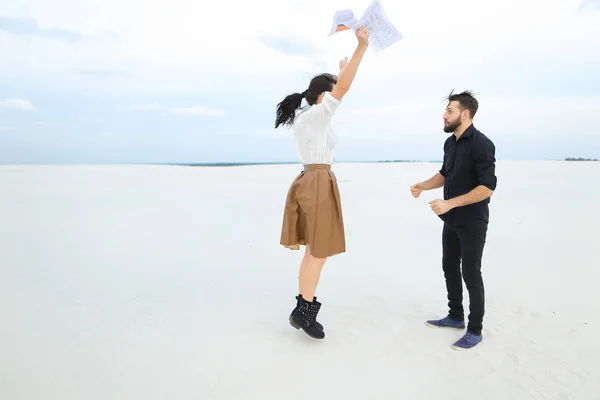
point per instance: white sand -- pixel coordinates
(156, 282)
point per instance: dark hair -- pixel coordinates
(466, 100)
(286, 110)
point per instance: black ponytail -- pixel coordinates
(286, 110)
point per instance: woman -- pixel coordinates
(313, 214)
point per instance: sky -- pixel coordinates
(184, 81)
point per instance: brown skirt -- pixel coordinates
(313, 213)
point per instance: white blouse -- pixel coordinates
(314, 136)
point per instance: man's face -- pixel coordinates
(452, 117)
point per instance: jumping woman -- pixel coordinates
(313, 214)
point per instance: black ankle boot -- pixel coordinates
(298, 306)
(304, 317)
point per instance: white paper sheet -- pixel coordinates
(382, 33)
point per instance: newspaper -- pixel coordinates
(382, 33)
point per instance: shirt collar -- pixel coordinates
(469, 131)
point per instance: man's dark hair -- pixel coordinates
(466, 101)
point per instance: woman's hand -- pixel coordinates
(362, 34)
(343, 63)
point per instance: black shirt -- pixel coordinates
(468, 163)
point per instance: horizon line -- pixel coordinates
(248, 163)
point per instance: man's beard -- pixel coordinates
(451, 127)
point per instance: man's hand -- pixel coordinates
(416, 190)
(436, 181)
(440, 207)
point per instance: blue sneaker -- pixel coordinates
(446, 322)
(468, 341)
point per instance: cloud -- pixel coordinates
(291, 45)
(30, 26)
(198, 111)
(153, 107)
(589, 4)
(508, 116)
(48, 124)
(4, 128)
(139, 107)
(165, 65)
(164, 44)
(16, 104)
(102, 73)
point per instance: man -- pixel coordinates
(469, 180)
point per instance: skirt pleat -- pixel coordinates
(313, 213)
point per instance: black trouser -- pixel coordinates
(466, 242)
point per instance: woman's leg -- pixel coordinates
(310, 272)
(302, 267)
(307, 308)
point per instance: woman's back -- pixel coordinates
(314, 136)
